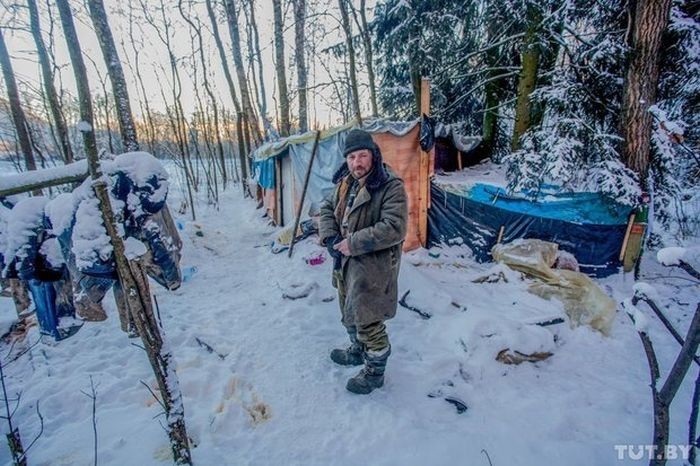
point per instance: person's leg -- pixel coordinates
(374, 337)
(352, 355)
(377, 349)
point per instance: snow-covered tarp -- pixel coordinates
(65, 238)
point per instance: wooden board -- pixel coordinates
(402, 154)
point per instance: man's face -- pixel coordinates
(359, 162)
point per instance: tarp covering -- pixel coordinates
(398, 142)
(584, 302)
(328, 158)
(476, 222)
(571, 207)
(462, 142)
(265, 172)
(378, 125)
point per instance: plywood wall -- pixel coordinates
(402, 154)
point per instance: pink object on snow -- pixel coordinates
(316, 260)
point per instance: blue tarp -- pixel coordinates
(585, 224)
(265, 172)
(571, 207)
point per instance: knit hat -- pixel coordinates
(358, 139)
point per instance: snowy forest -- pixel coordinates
(134, 131)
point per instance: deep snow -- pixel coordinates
(277, 399)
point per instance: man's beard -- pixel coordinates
(357, 174)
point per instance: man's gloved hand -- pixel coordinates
(337, 255)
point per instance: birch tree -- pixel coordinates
(18, 116)
(232, 91)
(352, 71)
(363, 26)
(246, 103)
(300, 60)
(98, 15)
(48, 76)
(280, 70)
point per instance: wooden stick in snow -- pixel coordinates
(303, 193)
(403, 303)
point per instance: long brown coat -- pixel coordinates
(376, 230)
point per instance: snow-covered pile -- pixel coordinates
(670, 256)
(136, 179)
(23, 221)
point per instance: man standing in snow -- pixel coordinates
(363, 225)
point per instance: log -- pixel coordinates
(29, 181)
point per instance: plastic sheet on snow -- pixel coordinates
(584, 302)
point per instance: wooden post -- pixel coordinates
(424, 171)
(627, 236)
(278, 192)
(500, 234)
(303, 192)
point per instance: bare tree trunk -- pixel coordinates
(139, 77)
(299, 55)
(258, 59)
(222, 56)
(369, 54)
(47, 75)
(650, 20)
(492, 100)
(258, 97)
(247, 107)
(280, 69)
(229, 79)
(347, 28)
(197, 28)
(18, 117)
(116, 75)
(530, 57)
(131, 274)
(242, 150)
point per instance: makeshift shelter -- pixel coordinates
(588, 225)
(281, 168)
(454, 151)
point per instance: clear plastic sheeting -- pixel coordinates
(584, 302)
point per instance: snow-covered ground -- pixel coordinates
(275, 398)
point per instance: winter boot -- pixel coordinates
(352, 355)
(372, 375)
